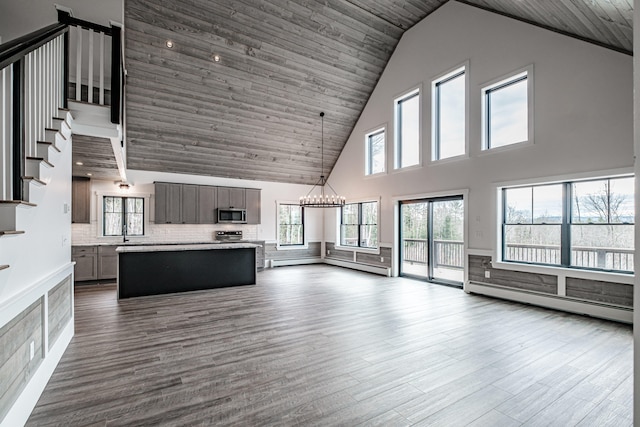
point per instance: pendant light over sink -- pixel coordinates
(322, 200)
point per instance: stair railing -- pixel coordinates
(34, 85)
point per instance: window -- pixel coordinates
(449, 118)
(407, 127)
(290, 225)
(582, 224)
(359, 225)
(375, 152)
(123, 215)
(506, 106)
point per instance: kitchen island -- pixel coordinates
(163, 269)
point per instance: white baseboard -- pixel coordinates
(298, 261)
(23, 406)
(602, 311)
(384, 271)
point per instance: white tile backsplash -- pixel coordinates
(87, 234)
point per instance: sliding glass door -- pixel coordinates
(432, 239)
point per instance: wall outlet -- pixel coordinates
(381, 259)
(487, 274)
(32, 350)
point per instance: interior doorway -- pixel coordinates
(432, 239)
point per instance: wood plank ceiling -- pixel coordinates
(94, 156)
(255, 113)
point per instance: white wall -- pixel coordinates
(583, 114)
(20, 17)
(143, 186)
(46, 245)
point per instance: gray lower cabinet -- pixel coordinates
(107, 262)
(86, 259)
(95, 262)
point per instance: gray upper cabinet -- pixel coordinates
(198, 204)
(189, 204)
(80, 200)
(253, 205)
(168, 203)
(207, 204)
(231, 197)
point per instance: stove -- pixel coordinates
(228, 236)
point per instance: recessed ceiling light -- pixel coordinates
(79, 163)
(169, 44)
(216, 58)
(89, 174)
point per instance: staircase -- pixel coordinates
(36, 118)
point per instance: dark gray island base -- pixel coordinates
(164, 269)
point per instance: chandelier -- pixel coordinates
(322, 200)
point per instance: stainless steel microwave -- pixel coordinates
(235, 216)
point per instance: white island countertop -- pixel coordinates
(185, 247)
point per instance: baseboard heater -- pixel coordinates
(557, 302)
(294, 261)
(385, 271)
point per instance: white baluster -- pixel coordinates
(90, 76)
(78, 63)
(101, 68)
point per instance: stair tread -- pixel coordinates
(3, 267)
(33, 178)
(49, 143)
(40, 159)
(10, 232)
(16, 202)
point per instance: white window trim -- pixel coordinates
(339, 223)
(528, 71)
(100, 195)
(560, 271)
(279, 247)
(384, 128)
(449, 73)
(396, 131)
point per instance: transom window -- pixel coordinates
(375, 152)
(359, 225)
(123, 216)
(290, 225)
(407, 125)
(506, 107)
(448, 115)
(582, 224)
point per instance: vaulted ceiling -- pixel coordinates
(254, 114)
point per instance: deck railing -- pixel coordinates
(450, 254)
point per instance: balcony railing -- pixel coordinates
(446, 253)
(581, 256)
(450, 254)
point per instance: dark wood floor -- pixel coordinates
(320, 345)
